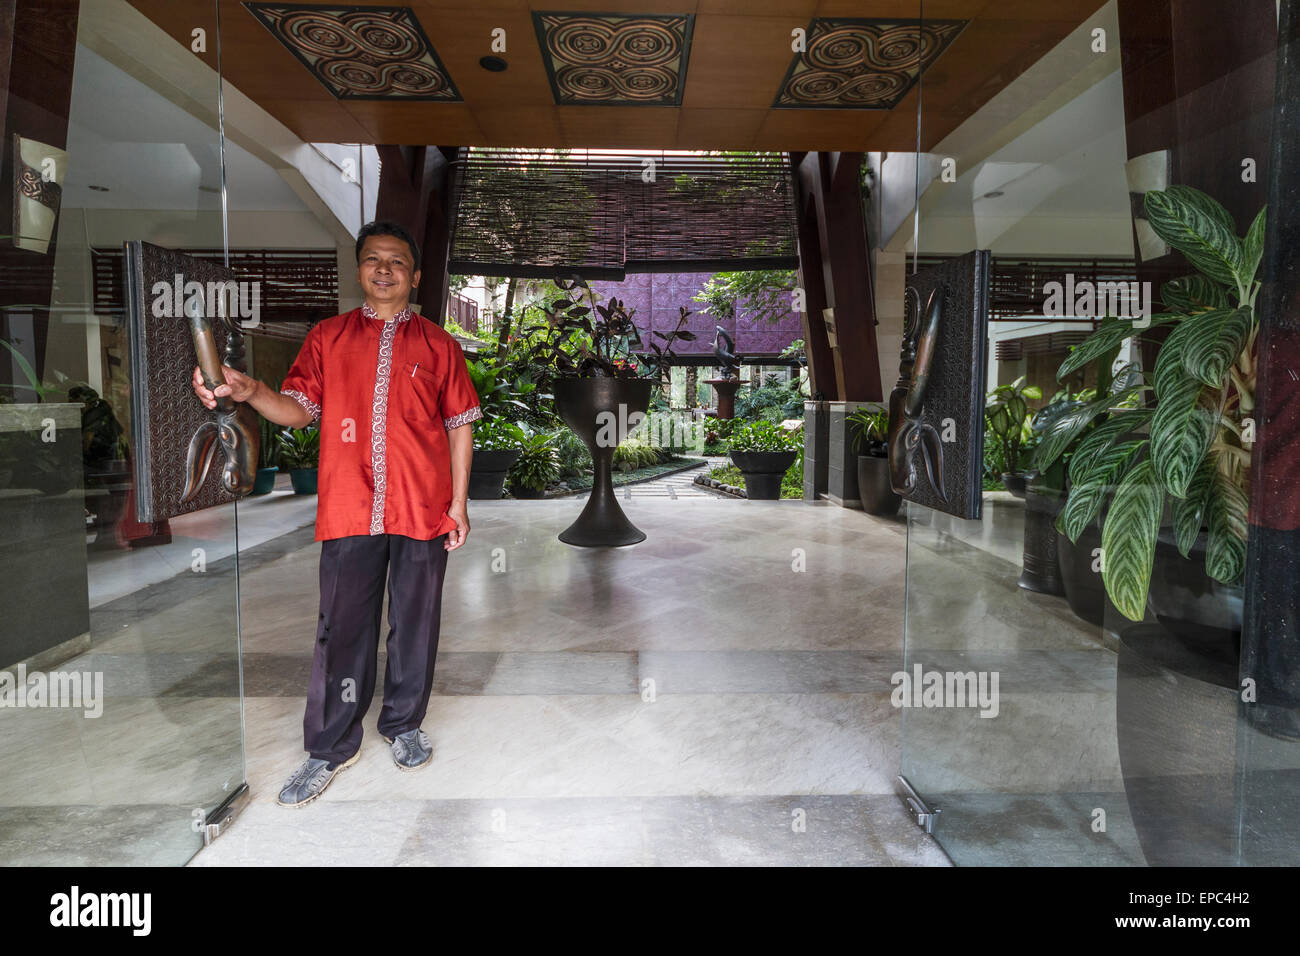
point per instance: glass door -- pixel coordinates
(121, 731)
(1108, 727)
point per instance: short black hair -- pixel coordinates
(383, 227)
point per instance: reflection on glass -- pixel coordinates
(122, 728)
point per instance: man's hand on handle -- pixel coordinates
(239, 387)
(273, 406)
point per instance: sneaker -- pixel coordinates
(310, 780)
(411, 750)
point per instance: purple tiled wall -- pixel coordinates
(657, 300)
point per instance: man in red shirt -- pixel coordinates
(394, 400)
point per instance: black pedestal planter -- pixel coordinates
(1042, 572)
(487, 471)
(586, 405)
(878, 496)
(763, 471)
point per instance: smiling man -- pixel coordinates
(394, 400)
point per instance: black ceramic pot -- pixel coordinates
(525, 493)
(303, 480)
(598, 410)
(1084, 589)
(1176, 729)
(265, 482)
(1189, 603)
(487, 471)
(1015, 482)
(1041, 570)
(878, 496)
(763, 471)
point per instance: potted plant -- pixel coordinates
(537, 466)
(601, 374)
(497, 439)
(1006, 415)
(1191, 455)
(763, 451)
(1053, 562)
(870, 426)
(300, 454)
(1174, 480)
(497, 446)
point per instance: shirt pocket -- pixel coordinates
(420, 392)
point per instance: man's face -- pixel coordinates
(386, 272)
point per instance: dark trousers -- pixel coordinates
(352, 574)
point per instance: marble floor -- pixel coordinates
(716, 694)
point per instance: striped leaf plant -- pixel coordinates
(1190, 446)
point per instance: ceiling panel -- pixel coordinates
(740, 54)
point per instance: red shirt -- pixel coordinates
(384, 394)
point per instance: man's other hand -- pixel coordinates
(460, 515)
(238, 387)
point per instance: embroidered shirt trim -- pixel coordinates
(464, 418)
(379, 422)
(311, 407)
(370, 313)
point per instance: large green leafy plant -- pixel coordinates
(1192, 449)
(1006, 419)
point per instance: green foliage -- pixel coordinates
(1203, 383)
(299, 447)
(500, 388)
(44, 391)
(1006, 419)
(1128, 540)
(634, 453)
(596, 339)
(575, 459)
(676, 433)
(870, 428)
(764, 293)
(498, 434)
(772, 401)
(1201, 229)
(764, 436)
(538, 464)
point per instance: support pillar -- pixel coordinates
(835, 268)
(416, 190)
